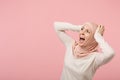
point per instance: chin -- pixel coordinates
(81, 44)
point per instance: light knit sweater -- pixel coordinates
(83, 68)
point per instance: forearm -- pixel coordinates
(107, 51)
(62, 26)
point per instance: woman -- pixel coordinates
(82, 57)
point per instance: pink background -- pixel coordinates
(29, 46)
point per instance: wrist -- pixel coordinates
(98, 37)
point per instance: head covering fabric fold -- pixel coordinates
(89, 45)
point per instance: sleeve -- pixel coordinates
(61, 27)
(107, 52)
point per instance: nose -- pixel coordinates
(82, 32)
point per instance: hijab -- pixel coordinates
(89, 46)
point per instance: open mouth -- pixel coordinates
(82, 39)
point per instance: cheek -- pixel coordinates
(87, 36)
(79, 34)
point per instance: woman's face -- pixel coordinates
(85, 34)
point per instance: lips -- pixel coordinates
(81, 39)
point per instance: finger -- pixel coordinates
(98, 28)
(102, 29)
(102, 26)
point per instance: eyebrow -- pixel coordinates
(85, 28)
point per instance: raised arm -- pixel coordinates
(61, 27)
(107, 52)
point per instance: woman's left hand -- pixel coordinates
(100, 29)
